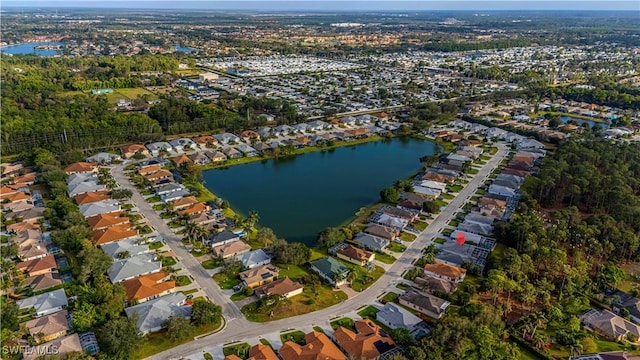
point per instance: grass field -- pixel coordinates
(224, 281)
(369, 312)
(405, 236)
(158, 342)
(385, 258)
(304, 303)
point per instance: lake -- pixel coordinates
(180, 48)
(301, 195)
(579, 122)
(30, 48)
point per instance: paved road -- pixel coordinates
(240, 328)
(200, 275)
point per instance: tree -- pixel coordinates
(390, 195)
(291, 253)
(402, 337)
(232, 267)
(120, 194)
(84, 317)
(93, 262)
(266, 237)
(178, 327)
(430, 207)
(119, 337)
(205, 312)
(331, 236)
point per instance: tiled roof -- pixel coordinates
(368, 343)
(282, 286)
(355, 253)
(445, 270)
(147, 285)
(81, 167)
(33, 266)
(262, 352)
(48, 325)
(107, 220)
(113, 233)
(193, 209)
(91, 197)
(149, 169)
(318, 347)
(188, 200)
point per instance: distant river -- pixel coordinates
(30, 48)
(300, 196)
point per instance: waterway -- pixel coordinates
(579, 122)
(180, 48)
(30, 48)
(301, 195)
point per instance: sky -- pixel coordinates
(351, 5)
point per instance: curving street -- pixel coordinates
(238, 328)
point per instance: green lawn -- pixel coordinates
(390, 297)
(307, 302)
(183, 280)
(211, 264)
(419, 225)
(369, 312)
(191, 291)
(293, 272)
(240, 295)
(156, 245)
(454, 188)
(402, 286)
(439, 241)
(168, 261)
(240, 350)
(405, 236)
(473, 171)
(318, 329)
(365, 279)
(265, 342)
(395, 247)
(225, 282)
(385, 258)
(447, 196)
(295, 336)
(345, 322)
(480, 192)
(158, 342)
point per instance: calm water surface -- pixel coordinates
(30, 48)
(300, 196)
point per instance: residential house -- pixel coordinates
(46, 303)
(174, 195)
(92, 197)
(231, 152)
(367, 343)
(81, 168)
(205, 219)
(317, 125)
(100, 207)
(133, 267)
(103, 158)
(113, 233)
(205, 141)
(355, 255)
(264, 132)
(382, 231)
(128, 151)
(158, 175)
(529, 144)
(440, 187)
(103, 221)
(282, 130)
(30, 245)
(39, 266)
(150, 169)
(194, 209)
(249, 135)
(502, 190)
(262, 352)
(45, 281)
(149, 287)
(259, 275)
(221, 238)
(262, 147)
(231, 249)
(301, 128)
(200, 158)
(157, 147)
(60, 347)
(181, 159)
(254, 258)
(247, 150)
(182, 144)
(184, 202)
(611, 326)
(371, 242)
(85, 187)
(427, 304)
(216, 156)
(131, 246)
(395, 317)
(331, 270)
(412, 201)
(435, 285)
(407, 215)
(445, 271)
(226, 138)
(628, 302)
(317, 346)
(49, 327)
(152, 314)
(282, 287)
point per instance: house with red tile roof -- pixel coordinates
(262, 352)
(445, 271)
(367, 343)
(113, 233)
(103, 221)
(283, 287)
(148, 287)
(317, 346)
(355, 255)
(81, 168)
(129, 151)
(92, 197)
(37, 266)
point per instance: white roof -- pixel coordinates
(44, 302)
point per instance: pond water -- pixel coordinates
(180, 48)
(566, 119)
(30, 48)
(301, 195)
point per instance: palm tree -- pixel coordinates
(253, 218)
(191, 230)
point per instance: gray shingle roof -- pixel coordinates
(133, 267)
(152, 314)
(44, 302)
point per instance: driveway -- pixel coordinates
(240, 328)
